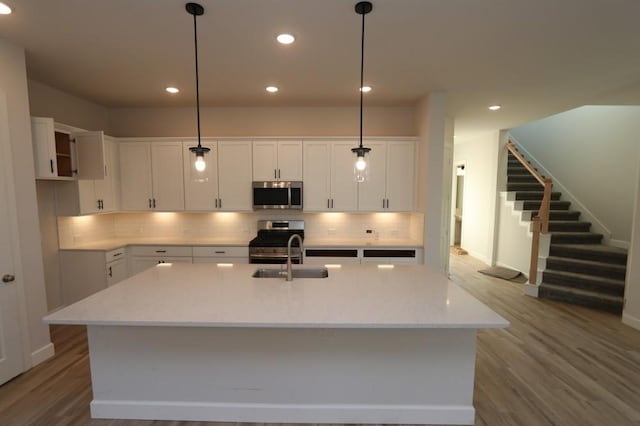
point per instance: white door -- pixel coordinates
(200, 189)
(10, 338)
(289, 160)
(166, 169)
(265, 160)
(235, 174)
(344, 188)
(135, 176)
(317, 176)
(104, 188)
(372, 192)
(401, 159)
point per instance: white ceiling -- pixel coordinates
(534, 57)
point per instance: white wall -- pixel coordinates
(631, 312)
(592, 151)
(13, 81)
(480, 156)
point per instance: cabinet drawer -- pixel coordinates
(116, 254)
(239, 260)
(161, 251)
(221, 251)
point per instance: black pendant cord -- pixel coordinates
(195, 42)
(361, 77)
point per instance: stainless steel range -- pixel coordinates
(270, 246)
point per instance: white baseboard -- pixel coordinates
(283, 413)
(42, 354)
(479, 256)
(619, 244)
(531, 290)
(630, 320)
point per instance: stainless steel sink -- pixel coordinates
(296, 273)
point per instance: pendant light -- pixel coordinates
(361, 168)
(200, 165)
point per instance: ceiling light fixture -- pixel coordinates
(272, 89)
(4, 9)
(365, 89)
(285, 38)
(196, 10)
(172, 90)
(360, 169)
(495, 107)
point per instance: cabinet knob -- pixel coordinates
(7, 278)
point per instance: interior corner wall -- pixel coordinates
(480, 156)
(431, 122)
(13, 81)
(592, 151)
(631, 312)
(261, 121)
(45, 101)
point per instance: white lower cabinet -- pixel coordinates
(84, 272)
(220, 254)
(391, 256)
(145, 257)
(344, 255)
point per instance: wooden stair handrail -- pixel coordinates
(541, 220)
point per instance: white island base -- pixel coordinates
(284, 375)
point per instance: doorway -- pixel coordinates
(10, 331)
(458, 209)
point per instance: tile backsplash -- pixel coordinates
(84, 229)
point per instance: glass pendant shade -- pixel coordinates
(200, 164)
(361, 166)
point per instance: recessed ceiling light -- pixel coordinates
(366, 89)
(285, 38)
(495, 107)
(272, 89)
(172, 89)
(4, 9)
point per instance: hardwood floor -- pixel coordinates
(556, 365)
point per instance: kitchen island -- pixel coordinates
(209, 342)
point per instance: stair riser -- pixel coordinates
(554, 215)
(555, 205)
(517, 171)
(524, 186)
(579, 268)
(582, 283)
(576, 253)
(576, 239)
(570, 227)
(607, 306)
(555, 196)
(522, 179)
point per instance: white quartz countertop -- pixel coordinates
(114, 243)
(353, 296)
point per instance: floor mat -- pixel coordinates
(505, 274)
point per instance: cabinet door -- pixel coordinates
(167, 176)
(289, 160)
(200, 189)
(87, 197)
(371, 192)
(235, 175)
(91, 155)
(139, 264)
(400, 175)
(135, 176)
(344, 188)
(265, 160)
(317, 176)
(116, 271)
(44, 147)
(105, 188)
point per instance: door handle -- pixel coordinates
(7, 278)
(220, 202)
(110, 272)
(154, 203)
(51, 164)
(149, 202)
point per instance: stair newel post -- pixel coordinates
(535, 246)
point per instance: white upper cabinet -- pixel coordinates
(151, 176)
(329, 184)
(391, 181)
(277, 160)
(225, 184)
(234, 175)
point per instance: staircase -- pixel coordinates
(579, 270)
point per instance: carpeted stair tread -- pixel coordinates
(584, 282)
(522, 179)
(517, 170)
(535, 195)
(575, 238)
(569, 226)
(560, 215)
(524, 186)
(597, 252)
(554, 205)
(581, 297)
(580, 266)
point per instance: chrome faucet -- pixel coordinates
(291, 238)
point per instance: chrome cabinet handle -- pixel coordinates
(7, 278)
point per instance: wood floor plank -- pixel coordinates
(556, 364)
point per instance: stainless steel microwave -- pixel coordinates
(277, 195)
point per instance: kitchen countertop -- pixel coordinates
(353, 296)
(114, 243)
